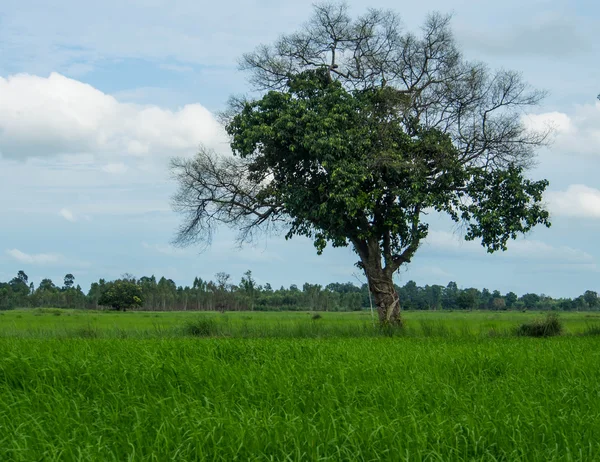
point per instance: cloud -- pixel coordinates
(526, 249)
(34, 259)
(46, 259)
(67, 215)
(575, 133)
(44, 117)
(577, 200)
(558, 122)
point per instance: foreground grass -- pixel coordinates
(444, 395)
(290, 399)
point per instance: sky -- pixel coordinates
(96, 97)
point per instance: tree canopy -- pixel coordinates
(122, 294)
(362, 129)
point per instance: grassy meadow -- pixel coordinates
(84, 385)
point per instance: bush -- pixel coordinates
(201, 327)
(316, 316)
(543, 327)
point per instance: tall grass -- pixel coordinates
(401, 398)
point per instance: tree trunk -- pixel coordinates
(386, 298)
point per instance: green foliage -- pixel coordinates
(303, 399)
(549, 326)
(122, 294)
(346, 166)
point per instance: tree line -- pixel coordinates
(222, 294)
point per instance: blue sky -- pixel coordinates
(95, 97)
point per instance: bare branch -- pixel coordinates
(220, 190)
(481, 110)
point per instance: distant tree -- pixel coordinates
(121, 295)
(565, 304)
(450, 296)
(530, 300)
(248, 285)
(128, 277)
(69, 281)
(591, 298)
(95, 292)
(359, 130)
(468, 299)
(498, 303)
(511, 298)
(485, 299)
(23, 277)
(20, 286)
(223, 281)
(46, 285)
(578, 303)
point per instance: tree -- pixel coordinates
(578, 303)
(361, 129)
(46, 285)
(69, 281)
(450, 296)
(248, 285)
(121, 294)
(21, 276)
(498, 303)
(468, 298)
(591, 298)
(530, 300)
(20, 285)
(511, 298)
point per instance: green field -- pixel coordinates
(78, 385)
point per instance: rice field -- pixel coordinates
(78, 385)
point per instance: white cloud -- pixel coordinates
(67, 215)
(538, 250)
(577, 200)
(46, 259)
(34, 259)
(42, 117)
(574, 133)
(115, 169)
(527, 249)
(557, 121)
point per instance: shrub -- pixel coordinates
(201, 327)
(316, 316)
(543, 327)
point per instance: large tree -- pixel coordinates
(361, 129)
